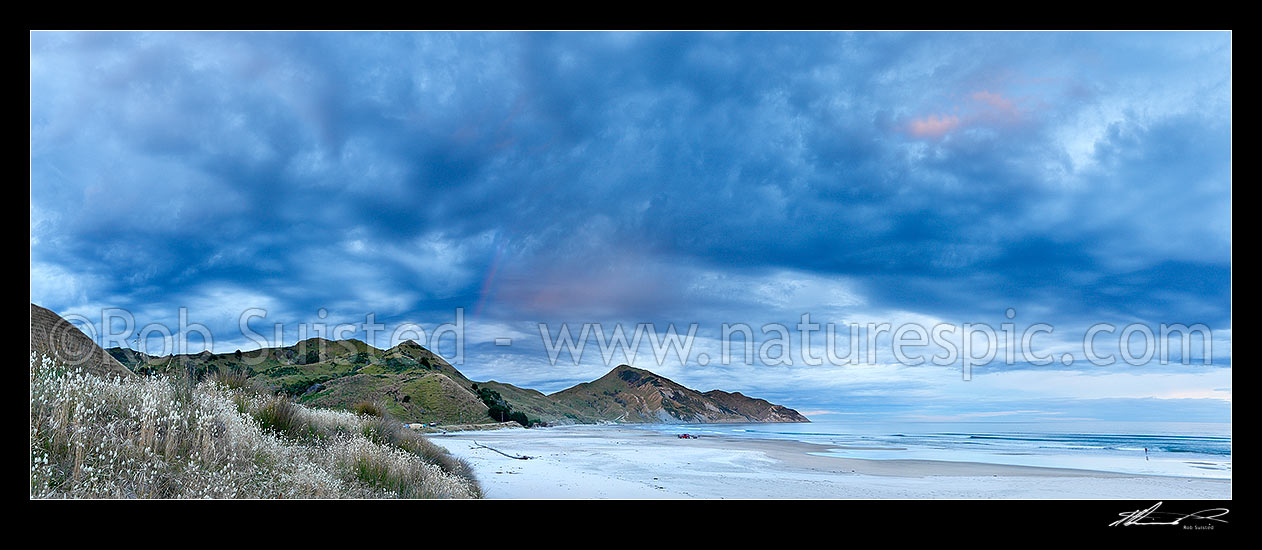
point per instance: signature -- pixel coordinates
(1150, 516)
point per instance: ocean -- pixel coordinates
(1184, 449)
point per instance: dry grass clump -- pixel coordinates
(369, 408)
(155, 437)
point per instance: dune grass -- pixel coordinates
(166, 437)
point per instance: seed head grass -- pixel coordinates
(167, 437)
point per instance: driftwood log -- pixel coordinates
(477, 445)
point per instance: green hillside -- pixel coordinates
(416, 385)
(415, 397)
(537, 405)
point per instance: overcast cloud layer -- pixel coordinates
(666, 178)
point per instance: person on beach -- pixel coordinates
(1145, 454)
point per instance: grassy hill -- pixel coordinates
(417, 397)
(409, 381)
(537, 405)
(56, 338)
(416, 385)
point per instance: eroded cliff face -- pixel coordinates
(759, 409)
(628, 394)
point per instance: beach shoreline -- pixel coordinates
(612, 461)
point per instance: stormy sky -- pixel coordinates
(628, 178)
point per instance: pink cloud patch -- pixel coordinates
(986, 108)
(1000, 108)
(996, 101)
(934, 126)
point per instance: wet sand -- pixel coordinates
(621, 462)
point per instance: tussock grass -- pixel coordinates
(159, 437)
(386, 431)
(369, 408)
(233, 379)
(282, 416)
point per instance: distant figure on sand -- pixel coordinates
(1145, 454)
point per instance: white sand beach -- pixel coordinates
(622, 462)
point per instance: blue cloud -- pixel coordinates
(606, 176)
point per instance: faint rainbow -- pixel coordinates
(485, 291)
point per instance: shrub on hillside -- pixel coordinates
(499, 410)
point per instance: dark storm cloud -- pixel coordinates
(614, 176)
